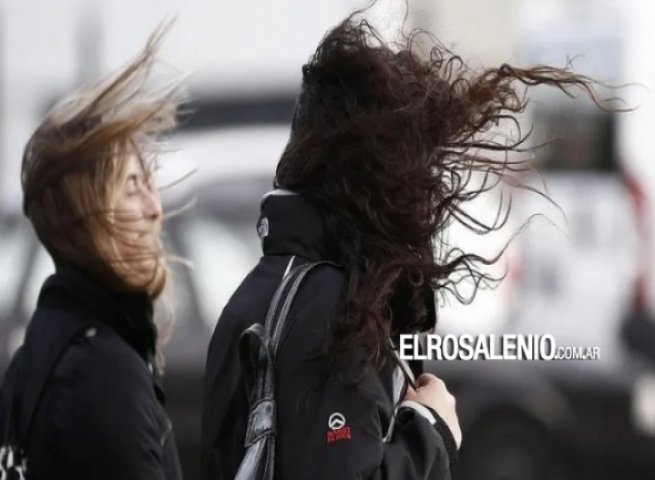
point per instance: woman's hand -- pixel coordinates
(433, 393)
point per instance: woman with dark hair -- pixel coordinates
(82, 397)
(385, 148)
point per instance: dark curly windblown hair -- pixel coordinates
(389, 142)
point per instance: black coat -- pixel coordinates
(308, 398)
(89, 404)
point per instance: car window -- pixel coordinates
(14, 251)
(221, 255)
(577, 140)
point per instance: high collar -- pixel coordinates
(129, 314)
(289, 224)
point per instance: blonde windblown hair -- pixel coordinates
(76, 159)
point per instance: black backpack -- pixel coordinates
(257, 350)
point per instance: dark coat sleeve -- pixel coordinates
(308, 446)
(105, 414)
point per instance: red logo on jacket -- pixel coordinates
(338, 428)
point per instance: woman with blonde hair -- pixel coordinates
(82, 397)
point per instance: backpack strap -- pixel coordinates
(49, 335)
(12, 458)
(258, 347)
(25, 381)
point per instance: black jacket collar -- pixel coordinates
(290, 225)
(129, 314)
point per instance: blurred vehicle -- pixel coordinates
(577, 281)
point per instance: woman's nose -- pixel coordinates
(152, 207)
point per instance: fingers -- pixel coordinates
(410, 394)
(435, 384)
(427, 379)
(433, 392)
